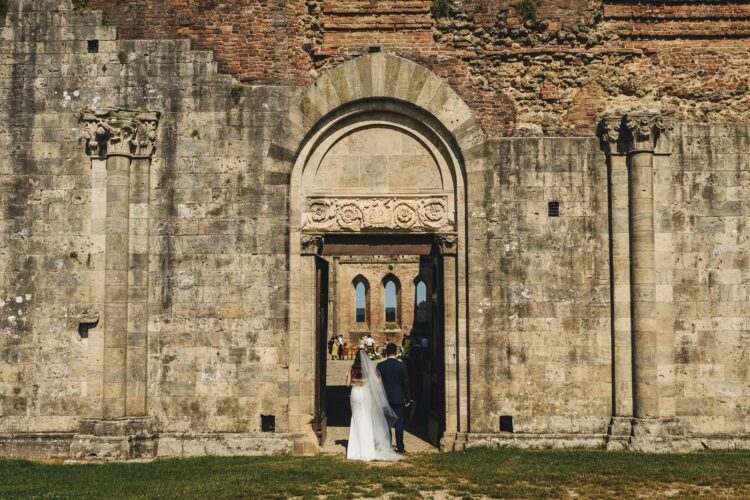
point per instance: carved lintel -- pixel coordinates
(123, 132)
(311, 244)
(395, 213)
(446, 244)
(637, 132)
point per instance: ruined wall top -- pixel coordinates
(542, 67)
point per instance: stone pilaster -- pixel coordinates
(632, 141)
(126, 141)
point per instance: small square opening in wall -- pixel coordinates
(553, 209)
(93, 46)
(506, 423)
(268, 423)
(374, 49)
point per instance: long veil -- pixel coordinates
(382, 415)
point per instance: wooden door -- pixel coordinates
(320, 420)
(436, 415)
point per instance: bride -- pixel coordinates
(372, 416)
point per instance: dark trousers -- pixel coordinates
(400, 411)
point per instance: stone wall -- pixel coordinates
(704, 215)
(146, 293)
(200, 321)
(540, 320)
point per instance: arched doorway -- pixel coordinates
(379, 176)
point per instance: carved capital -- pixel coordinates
(609, 132)
(637, 132)
(398, 213)
(121, 132)
(311, 244)
(446, 244)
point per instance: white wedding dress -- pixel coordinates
(372, 417)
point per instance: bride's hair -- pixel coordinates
(357, 366)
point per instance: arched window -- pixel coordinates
(392, 288)
(420, 302)
(361, 289)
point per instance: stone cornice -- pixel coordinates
(120, 132)
(637, 132)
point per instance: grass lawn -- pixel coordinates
(495, 473)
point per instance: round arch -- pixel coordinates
(385, 92)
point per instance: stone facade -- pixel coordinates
(166, 206)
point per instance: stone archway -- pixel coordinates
(378, 151)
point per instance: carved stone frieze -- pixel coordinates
(634, 132)
(427, 213)
(120, 132)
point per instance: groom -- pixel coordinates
(396, 384)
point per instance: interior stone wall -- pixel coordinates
(374, 270)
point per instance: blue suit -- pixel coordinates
(396, 384)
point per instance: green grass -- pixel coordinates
(497, 473)
(440, 8)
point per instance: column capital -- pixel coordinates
(311, 244)
(120, 132)
(446, 244)
(637, 132)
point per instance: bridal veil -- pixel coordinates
(376, 403)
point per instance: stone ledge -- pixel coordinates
(524, 440)
(110, 447)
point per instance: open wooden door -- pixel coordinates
(320, 420)
(436, 414)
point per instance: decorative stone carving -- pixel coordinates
(428, 213)
(609, 131)
(637, 132)
(311, 244)
(120, 132)
(447, 244)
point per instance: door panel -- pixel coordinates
(436, 421)
(320, 419)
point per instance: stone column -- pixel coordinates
(639, 136)
(456, 409)
(619, 229)
(126, 140)
(116, 285)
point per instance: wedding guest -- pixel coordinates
(335, 349)
(406, 345)
(331, 341)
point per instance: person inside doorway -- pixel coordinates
(370, 344)
(331, 341)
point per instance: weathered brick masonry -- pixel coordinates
(167, 182)
(551, 75)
